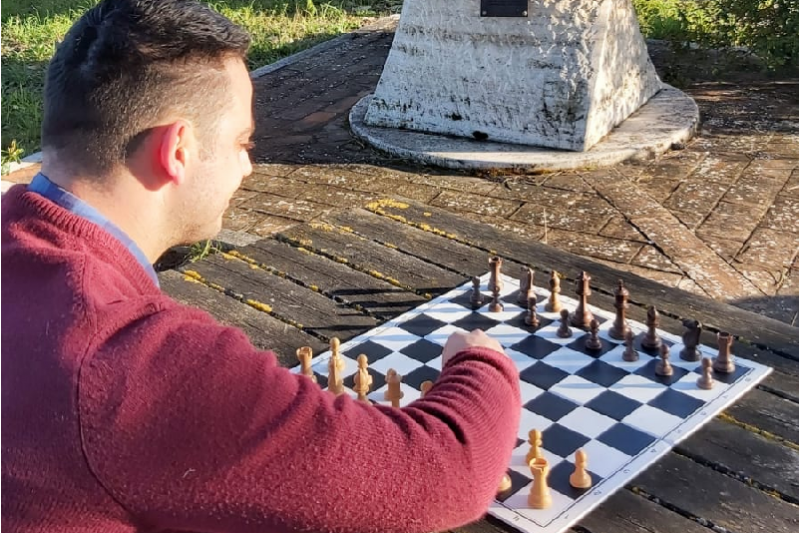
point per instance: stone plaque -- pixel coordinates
(504, 8)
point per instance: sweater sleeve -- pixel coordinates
(190, 427)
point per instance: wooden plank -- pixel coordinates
(432, 248)
(767, 412)
(334, 279)
(625, 512)
(380, 261)
(780, 337)
(745, 455)
(695, 490)
(287, 301)
(265, 332)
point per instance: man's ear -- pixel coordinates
(173, 150)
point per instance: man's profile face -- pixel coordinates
(213, 179)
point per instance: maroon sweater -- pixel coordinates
(124, 411)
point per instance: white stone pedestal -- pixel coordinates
(562, 77)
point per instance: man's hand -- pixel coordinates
(459, 341)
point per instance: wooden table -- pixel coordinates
(355, 269)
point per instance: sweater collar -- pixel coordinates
(46, 188)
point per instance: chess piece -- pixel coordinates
(335, 355)
(594, 343)
(630, 355)
(335, 381)
(663, 366)
(304, 355)
(691, 338)
(553, 304)
(525, 287)
(495, 263)
(620, 326)
(424, 387)
(477, 297)
(505, 484)
(582, 317)
(540, 497)
(531, 319)
(723, 362)
(651, 341)
(496, 306)
(535, 440)
(362, 379)
(393, 392)
(580, 478)
(564, 330)
(706, 381)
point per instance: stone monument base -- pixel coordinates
(668, 118)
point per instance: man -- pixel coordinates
(124, 411)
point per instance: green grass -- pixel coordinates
(31, 29)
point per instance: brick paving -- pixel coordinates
(718, 218)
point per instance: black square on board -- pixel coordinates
(378, 380)
(562, 441)
(418, 375)
(372, 350)
(579, 345)
(519, 322)
(421, 325)
(728, 378)
(559, 479)
(475, 321)
(602, 373)
(676, 403)
(626, 439)
(550, 406)
(512, 299)
(423, 350)
(542, 375)
(518, 482)
(613, 405)
(535, 346)
(649, 371)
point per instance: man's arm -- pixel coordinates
(190, 427)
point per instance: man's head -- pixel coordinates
(156, 90)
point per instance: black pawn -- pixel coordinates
(663, 366)
(531, 319)
(564, 330)
(630, 355)
(477, 297)
(593, 343)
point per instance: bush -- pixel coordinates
(768, 28)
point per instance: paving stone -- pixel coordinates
(594, 246)
(318, 118)
(331, 175)
(774, 162)
(529, 231)
(674, 165)
(766, 279)
(418, 192)
(241, 195)
(735, 221)
(344, 104)
(651, 258)
(295, 209)
(286, 187)
(769, 248)
(461, 201)
(723, 246)
(566, 181)
(580, 214)
(754, 190)
(336, 197)
(719, 169)
(694, 199)
(659, 189)
(274, 169)
(460, 183)
(782, 215)
(619, 228)
(669, 279)
(238, 219)
(689, 285)
(270, 225)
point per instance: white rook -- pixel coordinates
(563, 76)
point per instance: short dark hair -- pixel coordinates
(124, 65)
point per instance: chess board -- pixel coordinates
(620, 413)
